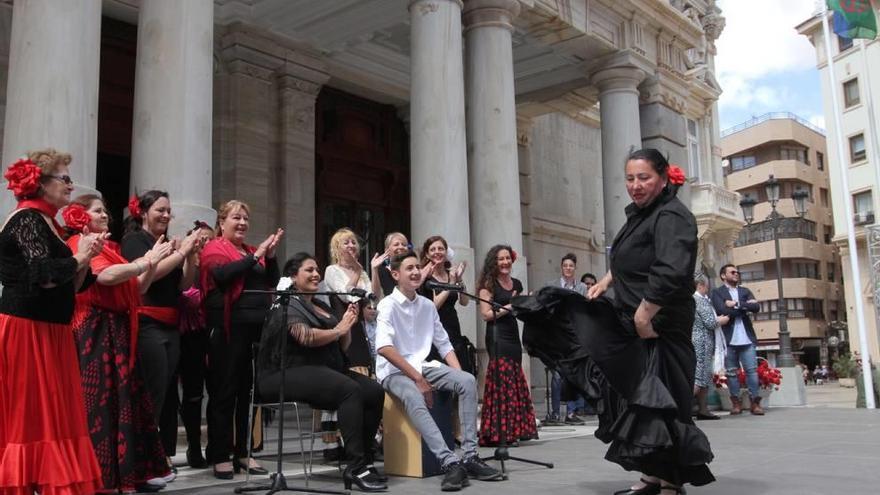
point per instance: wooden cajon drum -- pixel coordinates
(405, 452)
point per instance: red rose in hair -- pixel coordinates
(676, 175)
(76, 217)
(23, 177)
(513, 255)
(134, 206)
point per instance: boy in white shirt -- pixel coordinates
(406, 326)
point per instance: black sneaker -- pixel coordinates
(552, 420)
(573, 419)
(455, 478)
(479, 470)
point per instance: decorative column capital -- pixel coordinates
(622, 78)
(429, 6)
(489, 13)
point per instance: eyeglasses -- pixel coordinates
(734, 272)
(63, 178)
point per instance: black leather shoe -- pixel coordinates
(239, 466)
(648, 489)
(222, 475)
(363, 479)
(382, 477)
(705, 416)
(195, 459)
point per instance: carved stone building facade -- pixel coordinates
(484, 120)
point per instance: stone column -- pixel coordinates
(171, 141)
(52, 91)
(491, 128)
(298, 86)
(436, 123)
(621, 134)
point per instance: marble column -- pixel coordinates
(621, 134)
(171, 141)
(436, 123)
(491, 128)
(299, 87)
(52, 90)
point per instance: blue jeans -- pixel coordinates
(745, 356)
(556, 394)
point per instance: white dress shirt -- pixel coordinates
(739, 337)
(410, 326)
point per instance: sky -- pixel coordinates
(763, 64)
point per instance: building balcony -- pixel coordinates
(756, 176)
(790, 248)
(715, 208)
(799, 327)
(808, 288)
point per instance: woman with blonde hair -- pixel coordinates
(229, 267)
(44, 438)
(105, 326)
(395, 243)
(344, 274)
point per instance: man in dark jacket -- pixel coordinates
(736, 302)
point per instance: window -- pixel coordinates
(806, 269)
(844, 44)
(797, 308)
(820, 160)
(742, 162)
(823, 197)
(694, 146)
(752, 275)
(863, 206)
(857, 148)
(831, 272)
(851, 93)
(828, 233)
(799, 154)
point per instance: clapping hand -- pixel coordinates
(268, 246)
(160, 250)
(92, 244)
(458, 272)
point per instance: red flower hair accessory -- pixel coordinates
(134, 206)
(76, 217)
(23, 177)
(676, 175)
(513, 255)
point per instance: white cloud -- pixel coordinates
(760, 40)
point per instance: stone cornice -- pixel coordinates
(489, 13)
(429, 4)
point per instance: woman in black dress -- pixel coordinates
(652, 265)
(506, 392)
(316, 369)
(439, 269)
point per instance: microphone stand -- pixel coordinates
(278, 483)
(501, 452)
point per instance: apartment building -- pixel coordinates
(791, 150)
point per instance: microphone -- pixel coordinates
(434, 285)
(356, 292)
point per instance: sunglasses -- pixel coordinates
(63, 178)
(733, 272)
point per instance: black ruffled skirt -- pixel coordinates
(642, 389)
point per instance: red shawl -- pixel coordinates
(120, 298)
(216, 253)
(43, 206)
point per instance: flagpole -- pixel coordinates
(856, 280)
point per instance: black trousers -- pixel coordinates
(158, 351)
(357, 399)
(192, 370)
(229, 381)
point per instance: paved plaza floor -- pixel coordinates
(827, 447)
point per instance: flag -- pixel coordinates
(853, 18)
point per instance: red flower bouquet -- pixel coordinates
(676, 175)
(23, 177)
(768, 377)
(76, 217)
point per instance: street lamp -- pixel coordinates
(771, 187)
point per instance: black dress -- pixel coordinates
(506, 392)
(318, 376)
(642, 388)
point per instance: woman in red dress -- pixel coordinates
(120, 412)
(44, 441)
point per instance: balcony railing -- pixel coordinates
(771, 116)
(789, 228)
(710, 198)
(812, 314)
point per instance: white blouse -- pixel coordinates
(338, 280)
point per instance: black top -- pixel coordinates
(386, 281)
(164, 292)
(447, 312)
(32, 255)
(249, 308)
(298, 312)
(653, 258)
(506, 327)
